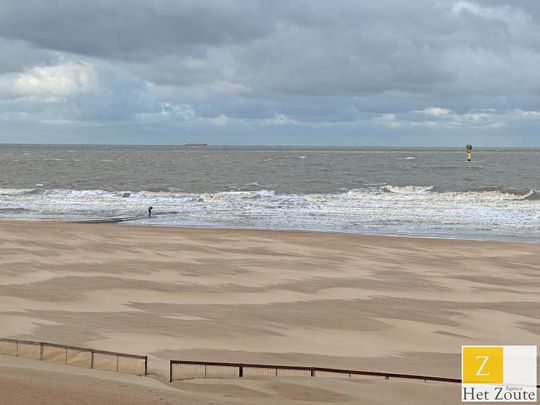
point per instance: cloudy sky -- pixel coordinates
(302, 72)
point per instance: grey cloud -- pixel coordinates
(312, 61)
(18, 55)
(361, 48)
(129, 29)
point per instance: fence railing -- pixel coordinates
(76, 356)
(182, 370)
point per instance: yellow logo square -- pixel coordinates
(482, 364)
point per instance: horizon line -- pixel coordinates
(201, 145)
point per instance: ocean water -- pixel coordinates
(410, 192)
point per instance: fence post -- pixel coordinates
(312, 372)
(66, 354)
(41, 350)
(170, 371)
(145, 365)
(240, 370)
(117, 362)
(92, 359)
(17, 347)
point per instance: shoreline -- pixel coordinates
(125, 222)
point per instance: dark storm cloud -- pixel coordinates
(118, 29)
(393, 66)
(305, 47)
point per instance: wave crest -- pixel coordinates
(407, 189)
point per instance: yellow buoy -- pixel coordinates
(469, 149)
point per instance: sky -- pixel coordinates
(281, 72)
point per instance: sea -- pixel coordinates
(422, 192)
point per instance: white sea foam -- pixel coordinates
(235, 195)
(388, 209)
(408, 189)
(14, 191)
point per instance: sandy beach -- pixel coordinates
(331, 300)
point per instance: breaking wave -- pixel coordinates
(376, 209)
(407, 189)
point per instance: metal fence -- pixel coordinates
(182, 370)
(76, 356)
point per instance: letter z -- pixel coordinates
(479, 372)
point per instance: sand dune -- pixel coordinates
(336, 300)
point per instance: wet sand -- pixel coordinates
(331, 300)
